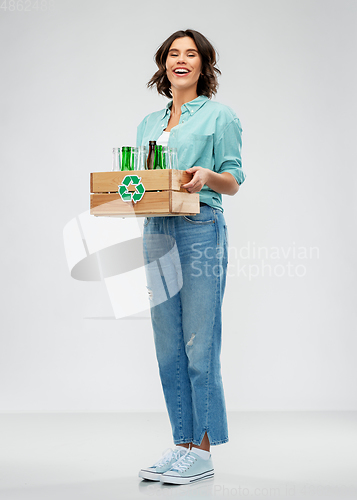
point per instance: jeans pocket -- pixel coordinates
(206, 216)
(193, 219)
(146, 221)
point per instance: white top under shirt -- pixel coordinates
(163, 140)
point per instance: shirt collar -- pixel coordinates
(191, 106)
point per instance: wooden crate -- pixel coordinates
(163, 194)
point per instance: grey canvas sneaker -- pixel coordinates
(168, 459)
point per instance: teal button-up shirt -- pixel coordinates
(208, 135)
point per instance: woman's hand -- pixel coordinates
(199, 179)
(223, 183)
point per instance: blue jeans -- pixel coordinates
(186, 264)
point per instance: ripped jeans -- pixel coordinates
(186, 264)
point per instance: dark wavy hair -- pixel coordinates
(207, 83)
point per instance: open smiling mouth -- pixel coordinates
(181, 72)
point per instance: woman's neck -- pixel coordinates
(181, 97)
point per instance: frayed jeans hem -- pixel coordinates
(214, 443)
(183, 441)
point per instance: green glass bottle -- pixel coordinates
(158, 151)
(164, 157)
(126, 158)
(159, 158)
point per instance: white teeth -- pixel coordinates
(181, 71)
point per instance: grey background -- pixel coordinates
(72, 87)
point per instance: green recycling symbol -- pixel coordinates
(126, 195)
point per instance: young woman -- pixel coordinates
(187, 297)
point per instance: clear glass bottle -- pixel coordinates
(116, 160)
(173, 158)
(166, 157)
(142, 158)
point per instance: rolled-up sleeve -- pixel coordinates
(227, 151)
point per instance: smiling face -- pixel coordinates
(183, 64)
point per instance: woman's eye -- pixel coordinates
(175, 55)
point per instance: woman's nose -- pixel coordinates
(181, 59)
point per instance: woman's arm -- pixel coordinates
(223, 183)
(227, 174)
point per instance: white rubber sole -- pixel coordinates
(151, 476)
(171, 479)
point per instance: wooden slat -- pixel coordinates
(153, 204)
(184, 203)
(179, 177)
(102, 204)
(153, 180)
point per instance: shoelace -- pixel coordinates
(184, 462)
(167, 457)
